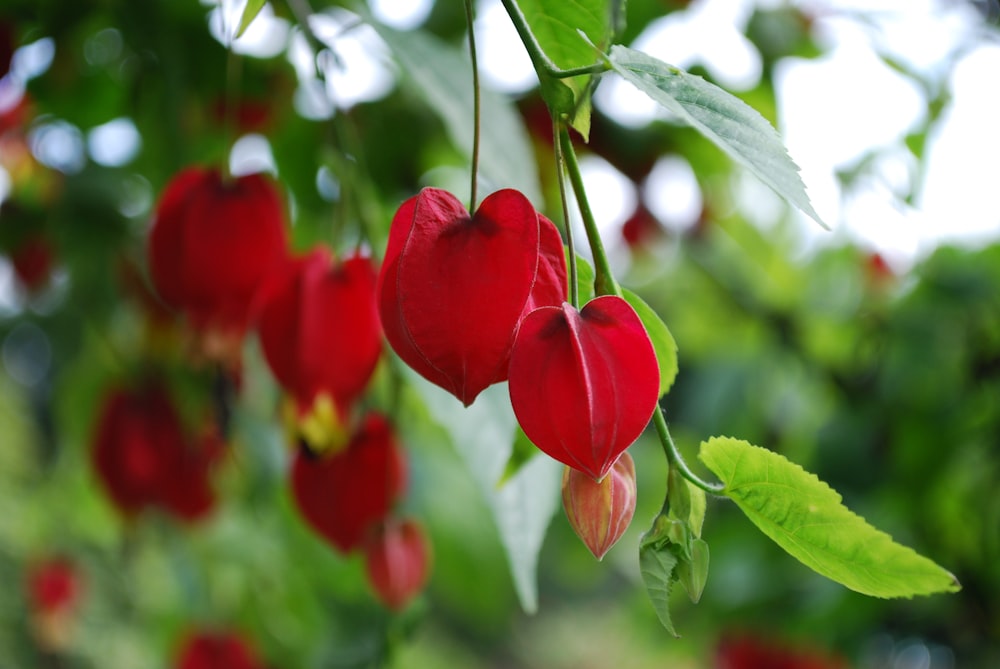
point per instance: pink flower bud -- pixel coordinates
(397, 560)
(600, 511)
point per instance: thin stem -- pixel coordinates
(233, 72)
(574, 290)
(674, 458)
(604, 280)
(538, 57)
(475, 105)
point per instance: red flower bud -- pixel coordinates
(319, 328)
(212, 243)
(342, 495)
(397, 561)
(217, 650)
(453, 287)
(600, 512)
(583, 384)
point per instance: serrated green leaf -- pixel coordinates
(806, 517)
(442, 75)
(693, 571)
(250, 12)
(522, 504)
(731, 124)
(657, 568)
(664, 344)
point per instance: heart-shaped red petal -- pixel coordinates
(583, 384)
(454, 286)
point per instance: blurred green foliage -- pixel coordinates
(887, 386)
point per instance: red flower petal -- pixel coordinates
(584, 384)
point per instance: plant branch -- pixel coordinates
(574, 289)
(674, 458)
(475, 105)
(604, 280)
(538, 57)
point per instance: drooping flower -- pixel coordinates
(453, 287)
(343, 495)
(212, 243)
(583, 384)
(144, 456)
(217, 650)
(320, 333)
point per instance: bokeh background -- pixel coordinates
(870, 354)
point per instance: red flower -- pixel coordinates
(397, 561)
(32, 260)
(584, 384)
(53, 586)
(454, 287)
(345, 494)
(747, 652)
(319, 328)
(600, 512)
(143, 456)
(217, 650)
(212, 243)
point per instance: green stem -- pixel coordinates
(574, 290)
(475, 105)
(541, 61)
(674, 458)
(604, 280)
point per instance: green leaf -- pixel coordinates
(523, 503)
(584, 278)
(250, 12)
(731, 124)
(521, 453)
(687, 501)
(656, 564)
(692, 572)
(556, 26)
(663, 342)
(806, 517)
(442, 75)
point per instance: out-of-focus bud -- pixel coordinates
(397, 560)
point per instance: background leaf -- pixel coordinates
(663, 342)
(524, 502)
(250, 12)
(556, 26)
(805, 516)
(734, 126)
(442, 76)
